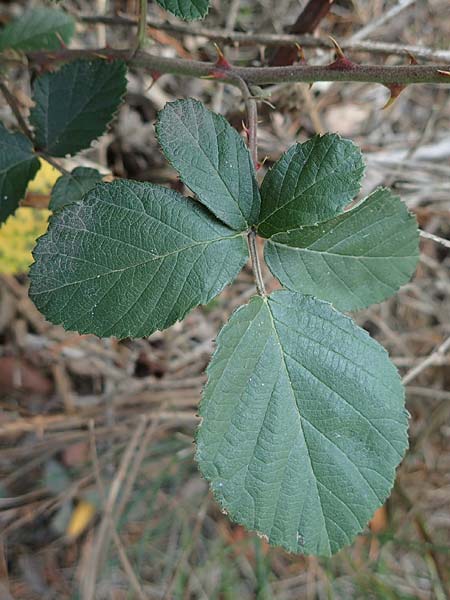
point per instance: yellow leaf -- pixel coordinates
(80, 519)
(18, 236)
(45, 179)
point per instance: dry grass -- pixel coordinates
(109, 425)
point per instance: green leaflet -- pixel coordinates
(212, 161)
(71, 188)
(189, 10)
(75, 105)
(311, 182)
(131, 258)
(303, 423)
(18, 166)
(358, 258)
(38, 29)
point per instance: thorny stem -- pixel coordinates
(248, 38)
(11, 100)
(402, 74)
(54, 163)
(252, 132)
(251, 239)
(252, 120)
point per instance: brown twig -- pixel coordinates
(11, 100)
(250, 38)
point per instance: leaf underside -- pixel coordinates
(356, 259)
(189, 10)
(212, 161)
(18, 166)
(131, 258)
(312, 182)
(38, 29)
(75, 105)
(303, 423)
(72, 187)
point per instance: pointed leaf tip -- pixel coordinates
(212, 160)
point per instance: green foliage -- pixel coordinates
(72, 187)
(18, 166)
(311, 182)
(303, 418)
(358, 258)
(303, 423)
(38, 29)
(212, 161)
(131, 258)
(75, 104)
(189, 10)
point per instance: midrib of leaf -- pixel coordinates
(317, 378)
(316, 481)
(210, 161)
(360, 257)
(299, 175)
(154, 258)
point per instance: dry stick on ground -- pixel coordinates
(308, 20)
(431, 236)
(127, 567)
(434, 358)
(101, 541)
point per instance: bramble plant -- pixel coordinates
(303, 420)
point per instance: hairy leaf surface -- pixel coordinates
(131, 258)
(303, 423)
(212, 161)
(311, 182)
(75, 105)
(18, 166)
(358, 258)
(71, 188)
(38, 29)
(189, 10)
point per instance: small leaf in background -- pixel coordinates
(131, 258)
(56, 478)
(356, 259)
(82, 515)
(18, 237)
(212, 161)
(189, 10)
(303, 423)
(38, 29)
(71, 188)
(75, 104)
(18, 165)
(311, 183)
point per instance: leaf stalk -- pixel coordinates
(256, 265)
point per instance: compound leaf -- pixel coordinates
(212, 161)
(311, 182)
(189, 10)
(358, 258)
(75, 105)
(38, 29)
(72, 187)
(303, 423)
(131, 258)
(18, 166)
